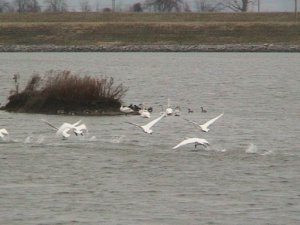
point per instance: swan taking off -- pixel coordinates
(3, 134)
(204, 127)
(147, 128)
(196, 141)
(65, 128)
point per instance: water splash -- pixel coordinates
(251, 149)
(40, 139)
(117, 140)
(221, 150)
(93, 138)
(28, 140)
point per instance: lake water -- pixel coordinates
(250, 174)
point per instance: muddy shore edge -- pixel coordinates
(153, 48)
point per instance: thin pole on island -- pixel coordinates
(296, 11)
(16, 78)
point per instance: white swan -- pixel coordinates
(204, 127)
(144, 113)
(196, 141)
(3, 134)
(65, 128)
(169, 110)
(126, 109)
(147, 128)
(80, 129)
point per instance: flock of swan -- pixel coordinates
(147, 128)
(80, 129)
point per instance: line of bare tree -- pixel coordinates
(144, 5)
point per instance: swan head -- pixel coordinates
(149, 131)
(204, 128)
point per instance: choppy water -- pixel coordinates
(118, 175)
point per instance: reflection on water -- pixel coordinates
(119, 175)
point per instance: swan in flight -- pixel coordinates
(204, 127)
(3, 134)
(147, 128)
(65, 128)
(196, 141)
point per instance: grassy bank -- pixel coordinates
(146, 28)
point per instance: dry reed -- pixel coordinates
(67, 92)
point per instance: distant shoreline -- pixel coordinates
(153, 48)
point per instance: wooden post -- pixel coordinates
(16, 78)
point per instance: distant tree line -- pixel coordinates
(22, 6)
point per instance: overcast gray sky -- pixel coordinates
(266, 5)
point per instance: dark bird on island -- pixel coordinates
(203, 110)
(190, 110)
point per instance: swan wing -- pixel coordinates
(185, 142)
(65, 133)
(192, 141)
(81, 127)
(208, 123)
(75, 124)
(3, 131)
(153, 122)
(49, 124)
(133, 124)
(201, 141)
(190, 121)
(63, 128)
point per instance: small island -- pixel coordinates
(67, 93)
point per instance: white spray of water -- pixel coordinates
(251, 148)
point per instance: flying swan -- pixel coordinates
(204, 127)
(65, 128)
(147, 128)
(196, 141)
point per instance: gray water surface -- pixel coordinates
(116, 174)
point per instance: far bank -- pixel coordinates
(149, 32)
(153, 48)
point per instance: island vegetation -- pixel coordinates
(64, 92)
